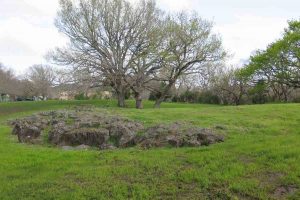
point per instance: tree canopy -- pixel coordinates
(280, 62)
(129, 46)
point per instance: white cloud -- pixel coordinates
(23, 44)
(172, 5)
(27, 31)
(46, 7)
(248, 33)
(27, 35)
(176, 5)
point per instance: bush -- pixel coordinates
(81, 96)
(258, 94)
(207, 97)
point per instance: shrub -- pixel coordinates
(81, 96)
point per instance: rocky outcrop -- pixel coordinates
(82, 136)
(178, 135)
(91, 129)
(27, 130)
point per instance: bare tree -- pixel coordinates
(42, 78)
(9, 83)
(146, 65)
(106, 38)
(26, 88)
(230, 86)
(190, 46)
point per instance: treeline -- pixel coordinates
(275, 72)
(138, 48)
(36, 82)
(271, 75)
(141, 52)
(12, 86)
(41, 82)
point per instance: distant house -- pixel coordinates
(99, 93)
(4, 97)
(64, 92)
(69, 92)
(65, 95)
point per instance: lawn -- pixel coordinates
(260, 158)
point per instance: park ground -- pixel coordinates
(260, 158)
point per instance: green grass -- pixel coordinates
(261, 153)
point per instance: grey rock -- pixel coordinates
(83, 147)
(26, 132)
(86, 129)
(67, 148)
(107, 147)
(178, 135)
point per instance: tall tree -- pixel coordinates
(190, 45)
(106, 37)
(279, 64)
(146, 65)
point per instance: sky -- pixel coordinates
(27, 30)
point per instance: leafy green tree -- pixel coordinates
(279, 64)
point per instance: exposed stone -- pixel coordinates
(178, 135)
(82, 147)
(92, 137)
(107, 146)
(16, 128)
(67, 148)
(123, 134)
(26, 133)
(91, 129)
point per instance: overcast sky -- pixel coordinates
(27, 31)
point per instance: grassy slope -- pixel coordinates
(261, 153)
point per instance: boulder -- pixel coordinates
(123, 134)
(26, 132)
(64, 136)
(67, 148)
(93, 129)
(107, 147)
(178, 135)
(82, 147)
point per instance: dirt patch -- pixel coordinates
(246, 159)
(282, 192)
(274, 184)
(270, 180)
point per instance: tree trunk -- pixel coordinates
(138, 101)
(163, 94)
(158, 102)
(121, 99)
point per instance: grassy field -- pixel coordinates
(260, 158)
